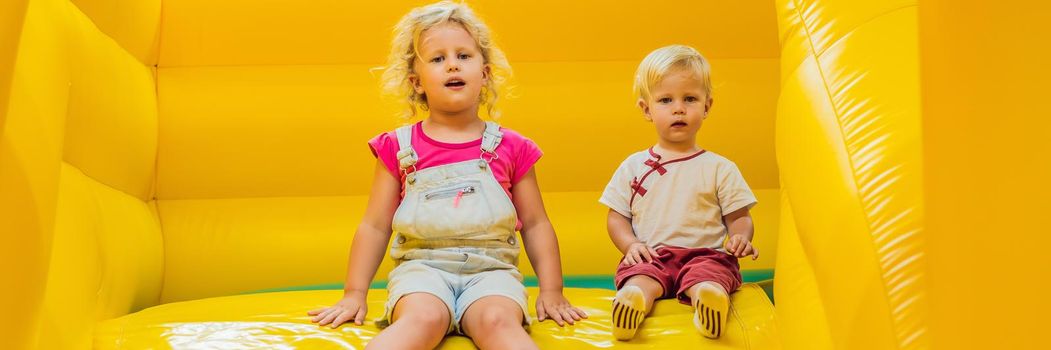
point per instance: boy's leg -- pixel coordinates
(706, 282)
(711, 306)
(421, 320)
(632, 303)
(495, 322)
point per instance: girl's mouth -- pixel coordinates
(455, 84)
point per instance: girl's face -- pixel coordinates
(449, 69)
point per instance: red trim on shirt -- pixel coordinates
(655, 165)
(418, 130)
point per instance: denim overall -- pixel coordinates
(454, 231)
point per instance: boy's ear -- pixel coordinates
(645, 107)
(414, 80)
(708, 106)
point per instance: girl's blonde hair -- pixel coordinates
(405, 50)
(658, 63)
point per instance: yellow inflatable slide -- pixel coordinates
(188, 174)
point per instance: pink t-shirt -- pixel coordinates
(516, 154)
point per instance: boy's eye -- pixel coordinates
(691, 99)
(664, 100)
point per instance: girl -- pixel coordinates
(453, 199)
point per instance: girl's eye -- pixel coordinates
(438, 59)
(464, 56)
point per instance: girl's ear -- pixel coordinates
(645, 107)
(414, 80)
(486, 71)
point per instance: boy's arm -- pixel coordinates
(620, 231)
(541, 247)
(623, 236)
(740, 231)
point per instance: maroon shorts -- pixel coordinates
(677, 269)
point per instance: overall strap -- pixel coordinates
(406, 155)
(490, 140)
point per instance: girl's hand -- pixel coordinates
(639, 252)
(741, 247)
(351, 307)
(553, 305)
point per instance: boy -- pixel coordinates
(673, 206)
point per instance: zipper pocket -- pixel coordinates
(457, 192)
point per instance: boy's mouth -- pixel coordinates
(678, 124)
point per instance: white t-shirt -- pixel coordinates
(678, 202)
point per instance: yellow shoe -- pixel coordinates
(628, 312)
(711, 309)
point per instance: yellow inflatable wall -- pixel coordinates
(848, 146)
(175, 173)
(984, 75)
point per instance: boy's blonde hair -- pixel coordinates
(405, 50)
(661, 61)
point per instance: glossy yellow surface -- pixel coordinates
(848, 150)
(276, 320)
(30, 151)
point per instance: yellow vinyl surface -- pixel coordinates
(277, 320)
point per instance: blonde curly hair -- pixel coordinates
(405, 50)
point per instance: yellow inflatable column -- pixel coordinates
(986, 130)
(800, 312)
(851, 270)
(33, 87)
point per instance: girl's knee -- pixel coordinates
(426, 319)
(419, 311)
(490, 317)
(497, 318)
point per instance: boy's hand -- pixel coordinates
(554, 305)
(351, 307)
(639, 252)
(741, 247)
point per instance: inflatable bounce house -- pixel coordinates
(189, 174)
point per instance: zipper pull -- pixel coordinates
(456, 201)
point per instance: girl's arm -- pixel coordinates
(542, 248)
(366, 251)
(373, 235)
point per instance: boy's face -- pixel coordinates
(449, 69)
(677, 106)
